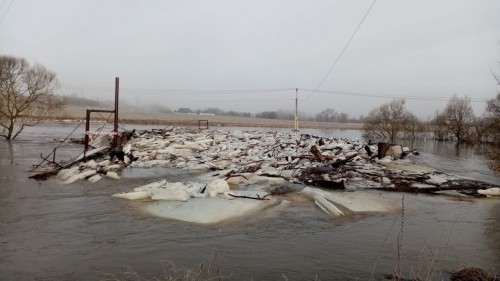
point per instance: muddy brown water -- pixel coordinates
(51, 231)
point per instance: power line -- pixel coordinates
(213, 93)
(6, 11)
(343, 50)
(361, 94)
(173, 91)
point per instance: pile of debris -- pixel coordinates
(245, 158)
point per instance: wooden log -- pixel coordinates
(91, 154)
(339, 163)
(317, 154)
(257, 196)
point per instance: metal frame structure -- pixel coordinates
(115, 112)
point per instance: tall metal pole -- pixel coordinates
(87, 128)
(117, 90)
(296, 111)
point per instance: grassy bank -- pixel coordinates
(163, 118)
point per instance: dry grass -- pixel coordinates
(171, 272)
(471, 273)
(164, 118)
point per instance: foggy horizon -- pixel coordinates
(249, 56)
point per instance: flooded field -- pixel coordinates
(52, 231)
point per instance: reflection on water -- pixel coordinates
(50, 231)
(460, 159)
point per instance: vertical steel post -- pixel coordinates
(296, 111)
(117, 90)
(87, 128)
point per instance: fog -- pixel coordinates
(250, 56)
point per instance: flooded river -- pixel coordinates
(51, 231)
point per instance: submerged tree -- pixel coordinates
(26, 97)
(493, 115)
(387, 121)
(459, 117)
(414, 128)
(438, 125)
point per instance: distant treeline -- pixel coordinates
(327, 115)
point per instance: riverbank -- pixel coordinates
(151, 117)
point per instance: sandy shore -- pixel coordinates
(162, 118)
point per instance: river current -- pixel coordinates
(52, 231)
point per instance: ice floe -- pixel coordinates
(230, 165)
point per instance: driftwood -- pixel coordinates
(331, 176)
(252, 168)
(273, 176)
(257, 197)
(320, 170)
(465, 186)
(94, 153)
(45, 175)
(233, 175)
(317, 154)
(339, 163)
(367, 148)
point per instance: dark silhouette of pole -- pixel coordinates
(296, 129)
(117, 90)
(87, 128)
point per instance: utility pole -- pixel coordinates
(117, 91)
(296, 129)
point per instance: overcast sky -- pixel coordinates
(262, 51)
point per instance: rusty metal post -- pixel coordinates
(87, 128)
(117, 90)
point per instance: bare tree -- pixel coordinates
(459, 117)
(492, 123)
(26, 97)
(330, 115)
(438, 125)
(327, 115)
(387, 121)
(493, 115)
(414, 128)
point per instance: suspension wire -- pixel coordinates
(121, 124)
(64, 141)
(343, 50)
(100, 129)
